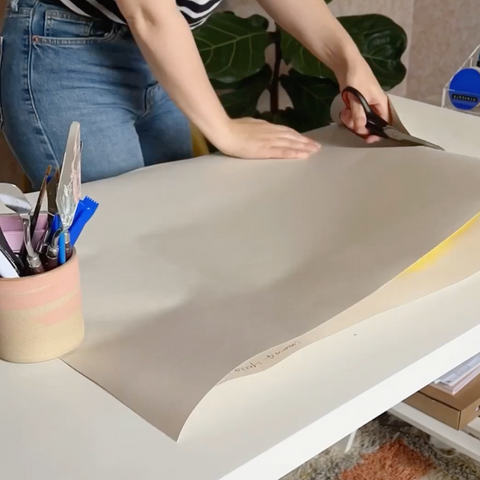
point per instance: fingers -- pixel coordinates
(286, 152)
(285, 130)
(382, 108)
(285, 136)
(359, 118)
(253, 138)
(299, 138)
(288, 146)
(346, 118)
(355, 120)
(293, 145)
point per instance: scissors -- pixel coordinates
(376, 125)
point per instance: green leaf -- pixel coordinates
(219, 85)
(381, 41)
(233, 48)
(258, 21)
(298, 57)
(242, 101)
(311, 97)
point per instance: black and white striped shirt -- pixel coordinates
(195, 11)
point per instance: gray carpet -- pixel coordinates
(388, 449)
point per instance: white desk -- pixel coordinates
(56, 425)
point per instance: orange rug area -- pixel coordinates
(392, 460)
(388, 449)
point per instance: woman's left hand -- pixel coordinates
(353, 117)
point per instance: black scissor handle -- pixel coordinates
(375, 123)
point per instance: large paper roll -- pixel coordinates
(243, 257)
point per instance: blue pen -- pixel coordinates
(62, 256)
(51, 257)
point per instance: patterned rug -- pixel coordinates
(388, 449)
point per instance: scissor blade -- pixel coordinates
(395, 134)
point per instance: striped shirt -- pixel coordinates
(195, 11)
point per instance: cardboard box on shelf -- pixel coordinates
(456, 411)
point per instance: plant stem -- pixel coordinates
(274, 93)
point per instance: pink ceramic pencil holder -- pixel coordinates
(41, 316)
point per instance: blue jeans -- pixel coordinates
(57, 67)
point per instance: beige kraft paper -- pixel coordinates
(454, 260)
(191, 268)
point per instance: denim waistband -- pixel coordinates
(16, 4)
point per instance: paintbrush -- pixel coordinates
(52, 211)
(36, 211)
(41, 196)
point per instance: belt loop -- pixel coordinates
(14, 5)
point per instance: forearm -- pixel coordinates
(313, 24)
(168, 46)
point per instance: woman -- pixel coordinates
(126, 70)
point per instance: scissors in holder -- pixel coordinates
(376, 125)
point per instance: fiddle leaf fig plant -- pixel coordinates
(380, 40)
(233, 51)
(233, 48)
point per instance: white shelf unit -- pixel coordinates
(466, 441)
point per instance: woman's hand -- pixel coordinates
(169, 48)
(315, 27)
(353, 116)
(257, 139)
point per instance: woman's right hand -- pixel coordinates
(257, 139)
